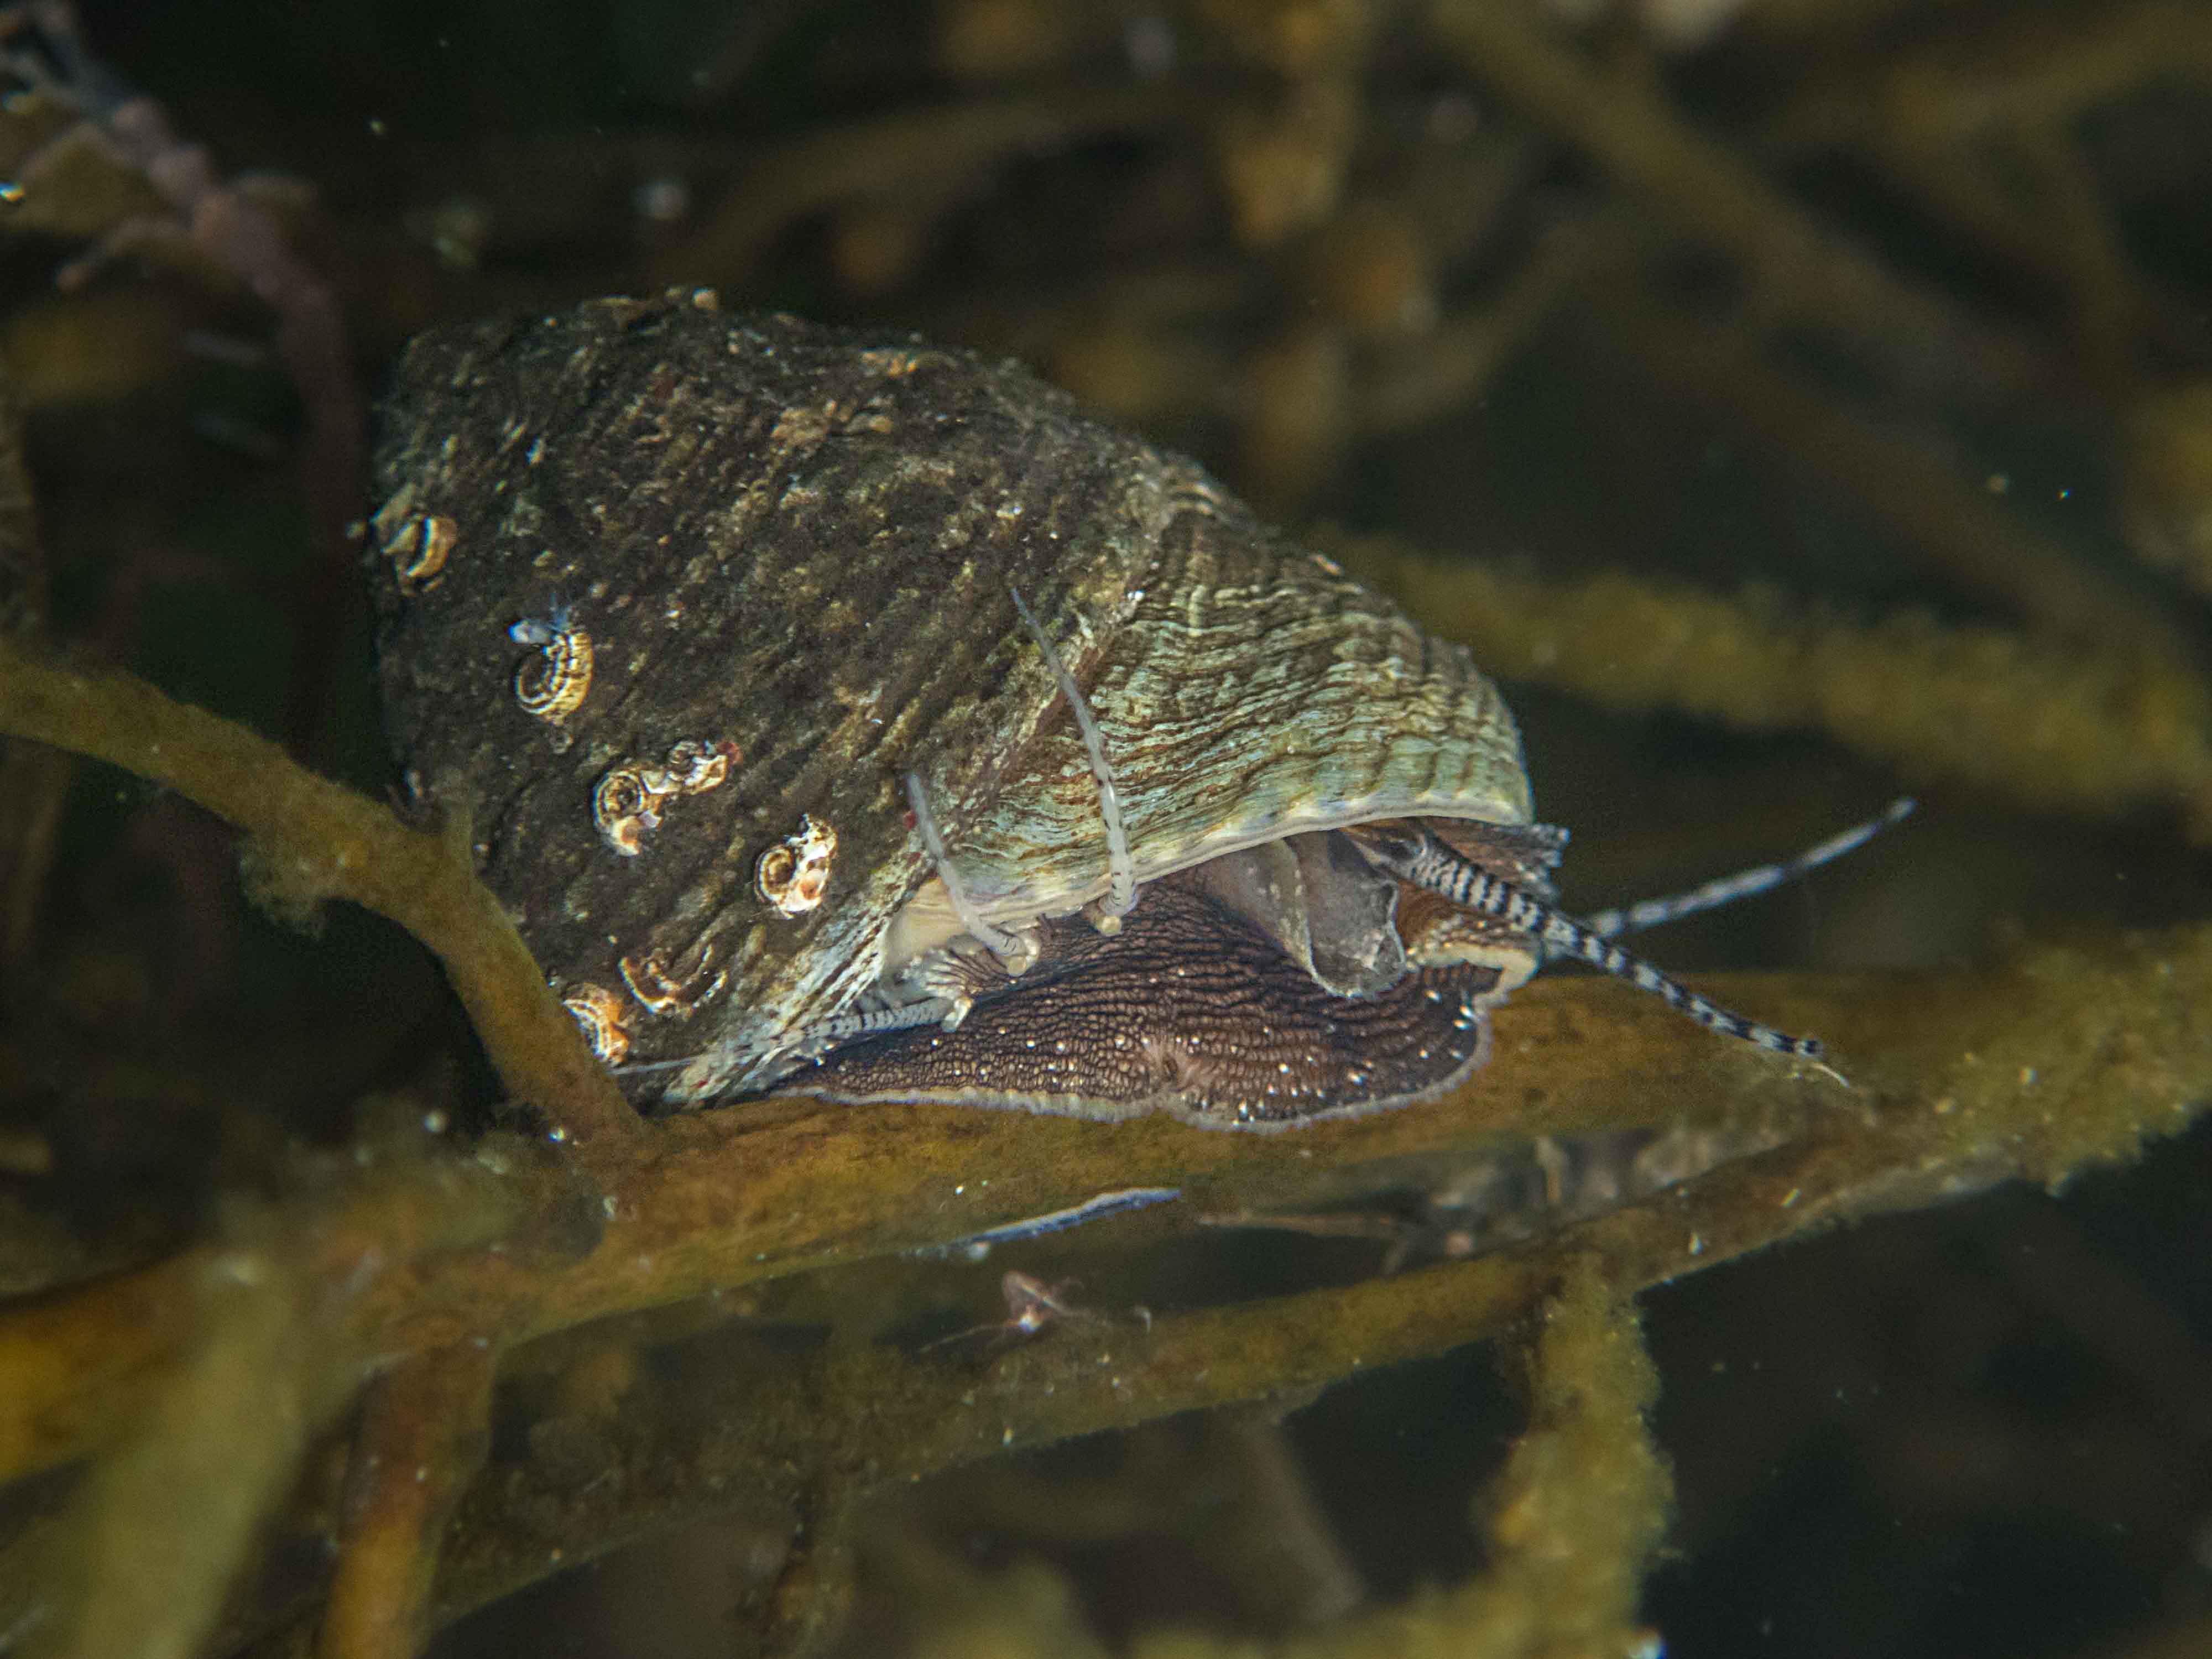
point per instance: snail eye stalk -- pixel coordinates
(1417, 857)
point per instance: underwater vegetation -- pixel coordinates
(1791, 403)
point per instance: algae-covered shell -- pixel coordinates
(810, 543)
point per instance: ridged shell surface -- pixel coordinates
(1246, 691)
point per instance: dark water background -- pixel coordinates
(1976, 1430)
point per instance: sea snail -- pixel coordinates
(1109, 799)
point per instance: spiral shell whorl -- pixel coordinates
(553, 685)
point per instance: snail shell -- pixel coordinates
(794, 874)
(419, 551)
(812, 543)
(598, 1012)
(553, 685)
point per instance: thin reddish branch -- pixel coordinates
(224, 223)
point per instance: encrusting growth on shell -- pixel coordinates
(695, 766)
(419, 551)
(624, 809)
(627, 801)
(794, 874)
(553, 685)
(665, 995)
(600, 1013)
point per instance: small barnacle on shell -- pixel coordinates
(625, 804)
(695, 766)
(792, 874)
(419, 550)
(628, 800)
(893, 362)
(600, 1013)
(666, 992)
(552, 685)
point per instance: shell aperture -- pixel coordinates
(890, 588)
